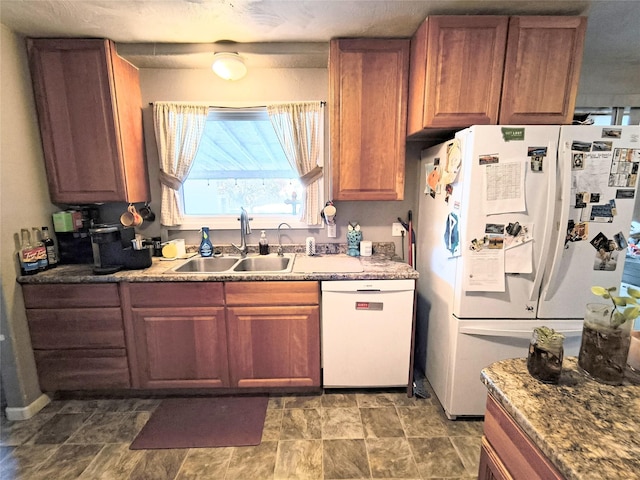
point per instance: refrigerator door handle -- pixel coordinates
(563, 222)
(497, 332)
(548, 225)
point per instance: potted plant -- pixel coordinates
(546, 351)
(606, 335)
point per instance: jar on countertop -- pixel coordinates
(546, 352)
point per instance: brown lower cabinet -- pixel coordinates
(163, 335)
(77, 335)
(235, 334)
(272, 344)
(507, 452)
(180, 347)
(176, 334)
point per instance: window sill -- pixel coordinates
(233, 223)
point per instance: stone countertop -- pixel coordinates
(588, 430)
(376, 267)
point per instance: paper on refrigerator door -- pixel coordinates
(484, 270)
(518, 251)
(503, 190)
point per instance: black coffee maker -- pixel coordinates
(113, 250)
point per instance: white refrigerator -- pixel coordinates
(515, 224)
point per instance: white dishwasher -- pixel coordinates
(366, 332)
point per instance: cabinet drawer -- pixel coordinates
(82, 369)
(272, 293)
(59, 295)
(176, 294)
(76, 328)
(518, 454)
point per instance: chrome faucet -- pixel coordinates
(245, 229)
(280, 254)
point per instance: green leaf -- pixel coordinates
(633, 292)
(631, 312)
(619, 301)
(601, 292)
(617, 319)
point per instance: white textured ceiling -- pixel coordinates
(185, 33)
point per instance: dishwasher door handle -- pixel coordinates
(368, 290)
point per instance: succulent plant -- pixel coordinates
(619, 317)
(547, 338)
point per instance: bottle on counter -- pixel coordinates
(27, 254)
(263, 243)
(41, 250)
(206, 247)
(50, 246)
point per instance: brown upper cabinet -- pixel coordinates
(90, 113)
(368, 98)
(542, 70)
(468, 70)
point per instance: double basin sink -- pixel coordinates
(235, 264)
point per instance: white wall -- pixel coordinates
(24, 203)
(609, 85)
(257, 88)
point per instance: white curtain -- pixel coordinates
(178, 130)
(299, 129)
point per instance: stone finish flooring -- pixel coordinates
(354, 434)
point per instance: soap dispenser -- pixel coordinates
(263, 243)
(206, 247)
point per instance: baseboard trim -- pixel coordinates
(25, 413)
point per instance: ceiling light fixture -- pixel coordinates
(229, 66)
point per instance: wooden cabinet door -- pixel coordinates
(491, 468)
(274, 346)
(82, 369)
(456, 71)
(542, 69)
(368, 98)
(89, 108)
(180, 347)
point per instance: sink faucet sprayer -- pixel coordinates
(245, 229)
(280, 254)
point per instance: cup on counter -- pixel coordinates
(137, 243)
(131, 218)
(157, 246)
(366, 248)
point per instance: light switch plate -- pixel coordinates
(397, 229)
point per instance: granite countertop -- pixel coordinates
(380, 266)
(588, 430)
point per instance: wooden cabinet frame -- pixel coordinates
(507, 452)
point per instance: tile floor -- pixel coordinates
(337, 435)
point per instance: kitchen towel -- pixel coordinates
(204, 422)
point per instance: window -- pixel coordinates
(240, 163)
(603, 116)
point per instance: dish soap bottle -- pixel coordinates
(206, 247)
(263, 243)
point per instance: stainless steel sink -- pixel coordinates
(264, 264)
(206, 265)
(237, 265)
